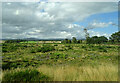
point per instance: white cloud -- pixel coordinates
(37, 31)
(17, 12)
(98, 25)
(9, 3)
(50, 20)
(93, 33)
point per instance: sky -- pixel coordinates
(46, 20)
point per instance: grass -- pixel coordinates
(60, 62)
(29, 42)
(81, 73)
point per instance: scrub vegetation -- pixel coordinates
(59, 62)
(71, 60)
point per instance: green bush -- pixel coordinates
(108, 46)
(63, 56)
(55, 45)
(9, 48)
(4, 50)
(32, 51)
(9, 65)
(46, 48)
(104, 50)
(59, 55)
(25, 75)
(83, 46)
(101, 48)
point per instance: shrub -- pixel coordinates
(108, 46)
(9, 48)
(55, 45)
(46, 48)
(104, 50)
(25, 75)
(101, 48)
(39, 50)
(69, 48)
(59, 55)
(83, 46)
(5, 66)
(9, 65)
(4, 50)
(67, 45)
(63, 56)
(60, 49)
(32, 51)
(25, 46)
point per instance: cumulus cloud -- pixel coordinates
(93, 33)
(98, 25)
(49, 20)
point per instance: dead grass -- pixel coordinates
(83, 73)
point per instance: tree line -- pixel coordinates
(15, 41)
(114, 38)
(74, 40)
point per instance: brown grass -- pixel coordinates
(83, 73)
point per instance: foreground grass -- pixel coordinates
(104, 72)
(81, 73)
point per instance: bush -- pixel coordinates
(104, 50)
(59, 55)
(12, 64)
(55, 45)
(4, 50)
(9, 48)
(101, 48)
(46, 48)
(108, 46)
(83, 46)
(32, 51)
(25, 75)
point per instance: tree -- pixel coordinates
(88, 40)
(69, 41)
(74, 40)
(14, 41)
(103, 39)
(96, 40)
(115, 37)
(65, 41)
(79, 41)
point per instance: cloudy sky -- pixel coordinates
(46, 20)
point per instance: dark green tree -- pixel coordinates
(96, 40)
(103, 39)
(69, 41)
(74, 40)
(115, 37)
(79, 41)
(65, 41)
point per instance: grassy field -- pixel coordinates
(59, 62)
(29, 42)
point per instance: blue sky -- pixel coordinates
(104, 18)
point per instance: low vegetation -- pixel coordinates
(26, 75)
(71, 60)
(54, 62)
